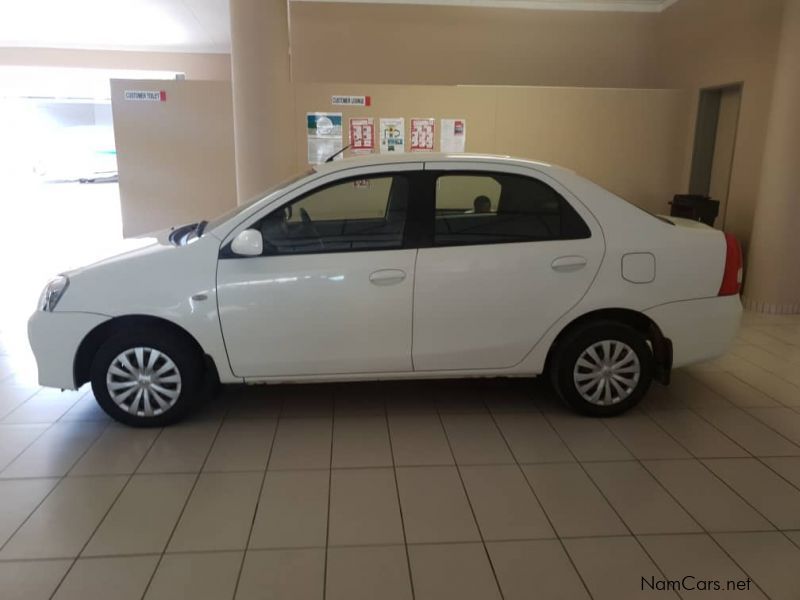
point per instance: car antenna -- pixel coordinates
(335, 154)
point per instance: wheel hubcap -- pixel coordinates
(143, 381)
(606, 372)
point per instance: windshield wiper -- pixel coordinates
(201, 227)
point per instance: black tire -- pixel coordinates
(185, 357)
(573, 346)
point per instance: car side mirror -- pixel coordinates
(248, 243)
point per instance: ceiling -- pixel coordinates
(191, 25)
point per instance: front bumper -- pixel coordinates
(701, 329)
(55, 338)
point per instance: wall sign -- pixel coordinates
(454, 135)
(324, 134)
(393, 135)
(422, 134)
(145, 96)
(362, 135)
(351, 100)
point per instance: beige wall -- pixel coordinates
(176, 158)
(709, 43)
(386, 43)
(196, 66)
(629, 141)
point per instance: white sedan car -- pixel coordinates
(403, 267)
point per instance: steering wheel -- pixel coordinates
(308, 226)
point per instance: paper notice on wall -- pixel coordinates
(454, 135)
(362, 135)
(393, 135)
(422, 134)
(324, 136)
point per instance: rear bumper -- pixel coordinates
(699, 329)
(55, 338)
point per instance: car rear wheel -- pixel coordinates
(603, 368)
(146, 378)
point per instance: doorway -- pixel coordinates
(714, 144)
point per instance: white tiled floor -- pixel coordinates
(456, 489)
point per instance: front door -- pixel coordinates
(509, 256)
(332, 292)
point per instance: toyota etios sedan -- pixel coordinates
(401, 267)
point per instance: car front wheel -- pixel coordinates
(603, 369)
(146, 378)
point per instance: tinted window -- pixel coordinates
(498, 208)
(357, 214)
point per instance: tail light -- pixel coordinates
(732, 276)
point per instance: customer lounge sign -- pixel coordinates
(145, 96)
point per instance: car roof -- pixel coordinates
(428, 157)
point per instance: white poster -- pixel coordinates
(324, 136)
(422, 134)
(454, 135)
(362, 135)
(393, 135)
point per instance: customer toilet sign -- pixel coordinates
(362, 135)
(145, 96)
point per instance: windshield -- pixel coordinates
(212, 224)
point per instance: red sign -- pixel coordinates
(362, 135)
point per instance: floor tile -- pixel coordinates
(700, 558)
(475, 439)
(31, 580)
(712, 503)
(532, 439)
(693, 393)
(13, 396)
(783, 420)
(20, 497)
(302, 444)
(219, 513)
(535, 569)
(769, 558)
(644, 438)
(504, 504)
(200, 576)
(241, 445)
(47, 406)
(775, 387)
(358, 399)
(55, 451)
(696, 434)
(368, 573)
(767, 492)
(180, 448)
(735, 390)
(361, 441)
(293, 510)
(119, 450)
(65, 521)
(121, 578)
(418, 440)
(452, 572)
(572, 502)
(639, 499)
(143, 517)
(15, 438)
(748, 432)
(364, 508)
(250, 402)
(305, 400)
(295, 574)
(613, 568)
(589, 439)
(86, 409)
(434, 505)
(787, 467)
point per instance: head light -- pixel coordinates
(52, 293)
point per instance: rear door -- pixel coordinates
(510, 253)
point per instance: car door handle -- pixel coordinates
(568, 263)
(387, 276)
